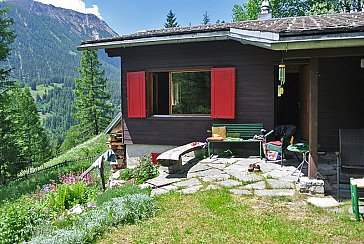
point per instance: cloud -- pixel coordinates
(76, 5)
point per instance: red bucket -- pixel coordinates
(154, 157)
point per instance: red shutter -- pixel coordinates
(223, 93)
(135, 82)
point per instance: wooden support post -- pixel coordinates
(102, 174)
(313, 120)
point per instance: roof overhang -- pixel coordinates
(263, 39)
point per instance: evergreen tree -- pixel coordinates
(289, 8)
(92, 105)
(7, 37)
(171, 20)
(206, 19)
(8, 149)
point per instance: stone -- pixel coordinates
(305, 185)
(277, 174)
(256, 186)
(158, 191)
(91, 204)
(288, 178)
(190, 190)
(275, 192)
(145, 185)
(228, 183)
(236, 168)
(267, 167)
(247, 177)
(198, 167)
(217, 165)
(323, 202)
(169, 188)
(162, 180)
(187, 183)
(208, 160)
(238, 191)
(115, 175)
(212, 187)
(116, 183)
(218, 177)
(278, 184)
(209, 172)
(77, 209)
(228, 161)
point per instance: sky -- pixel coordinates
(130, 16)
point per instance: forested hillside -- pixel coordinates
(44, 57)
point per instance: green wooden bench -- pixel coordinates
(238, 133)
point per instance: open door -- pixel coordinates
(304, 101)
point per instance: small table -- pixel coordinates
(356, 201)
(304, 149)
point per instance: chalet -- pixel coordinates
(177, 82)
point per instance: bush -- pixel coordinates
(20, 219)
(126, 209)
(145, 171)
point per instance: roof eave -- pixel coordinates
(148, 41)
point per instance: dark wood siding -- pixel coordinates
(254, 87)
(341, 98)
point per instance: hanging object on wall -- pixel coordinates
(281, 78)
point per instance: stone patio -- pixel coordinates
(232, 173)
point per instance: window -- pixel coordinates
(181, 93)
(201, 92)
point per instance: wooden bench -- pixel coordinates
(172, 159)
(246, 132)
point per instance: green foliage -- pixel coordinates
(171, 20)
(20, 219)
(94, 146)
(145, 171)
(287, 8)
(45, 58)
(119, 192)
(119, 210)
(92, 105)
(7, 37)
(68, 195)
(206, 19)
(73, 138)
(126, 174)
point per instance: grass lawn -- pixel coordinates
(217, 216)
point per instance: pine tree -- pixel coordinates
(8, 150)
(206, 19)
(171, 20)
(7, 37)
(92, 105)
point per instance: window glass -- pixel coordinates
(191, 92)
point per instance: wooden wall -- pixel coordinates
(254, 85)
(341, 98)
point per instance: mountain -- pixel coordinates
(44, 57)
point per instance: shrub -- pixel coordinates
(20, 219)
(126, 174)
(145, 171)
(68, 195)
(125, 209)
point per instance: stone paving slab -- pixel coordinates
(236, 168)
(323, 202)
(217, 165)
(228, 161)
(277, 173)
(247, 161)
(188, 183)
(279, 184)
(169, 188)
(275, 192)
(209, 172)
(212, 187)
(190, 190)
(198, 167)
(162, 181)
(158, 191)
(238, 191)
(208, 160)
(256, 186)
(228, 183)
(247, 177)
(218, 177)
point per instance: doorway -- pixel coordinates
(293, 106)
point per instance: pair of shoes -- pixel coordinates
(254, 167)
